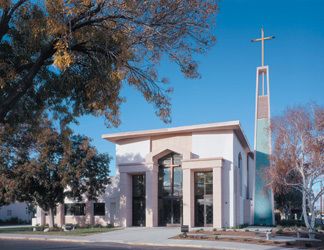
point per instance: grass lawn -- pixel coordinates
(76, 232)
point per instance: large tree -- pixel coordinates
(55, 165)
(297, 159)
(71, 57)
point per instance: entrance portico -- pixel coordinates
(179, 205)
(190, 207)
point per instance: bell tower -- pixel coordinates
(263, 197)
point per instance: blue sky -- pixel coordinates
(226, 89)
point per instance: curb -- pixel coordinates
(43, 239)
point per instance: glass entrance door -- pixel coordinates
(170, 190)
(139, 200)
(203, 199)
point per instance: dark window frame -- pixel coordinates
(74, 209)
(99, 209)
(170, 194)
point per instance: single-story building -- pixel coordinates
(16, 212)
(200, 175)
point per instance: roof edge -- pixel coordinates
(191, 128)
(229, 125)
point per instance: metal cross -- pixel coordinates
(262, 39)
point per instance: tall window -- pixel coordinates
(170, 189)
(76, 209)
(170, 175)
(240, 173)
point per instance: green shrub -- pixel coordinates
(13, 221)
(55, 229)
(110, 226)
(40, 228)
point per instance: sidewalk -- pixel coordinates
(144, 236)
(14, 226)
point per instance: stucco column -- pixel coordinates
(60, 218)
(233, 196)
(42, 216)
(89, 213)
(151, 191)
(217, 198)
(126, 199)
(188, 193)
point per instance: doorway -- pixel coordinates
(139, 206)
(170, 190)
(204, 199)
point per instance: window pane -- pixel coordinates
(67, 209)
(177, 181)
(177, 159)
(138, 185)
(76, 209)
(199, 178)
(99, 209)
(166, 182)
(79, 209)
(165, 161)
(209, 188)
(209, 177)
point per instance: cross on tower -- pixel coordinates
(262, 39)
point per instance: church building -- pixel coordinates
(201, 175)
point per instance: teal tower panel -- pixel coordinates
(263, 196)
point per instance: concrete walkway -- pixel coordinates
(145, 236)
(14, 226)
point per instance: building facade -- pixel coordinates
(201, 175)
(17, 211)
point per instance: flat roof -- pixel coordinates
(230, 125)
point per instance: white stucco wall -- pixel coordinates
(219, 144)
(241, 180)
(132, 151)
(17, 209)
(213, 144)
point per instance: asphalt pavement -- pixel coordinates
(50, 245)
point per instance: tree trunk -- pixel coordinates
(51, 218)
(312, 222)
(305, 215)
